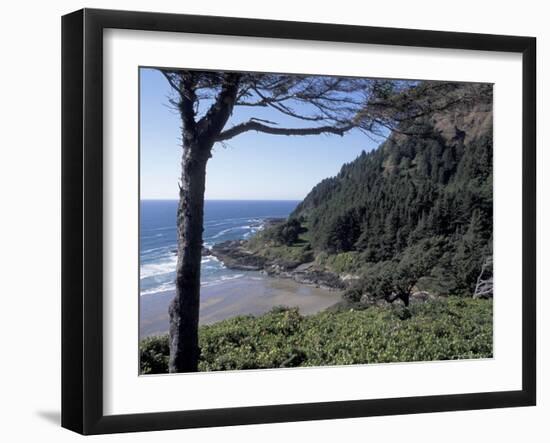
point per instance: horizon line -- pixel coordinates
(230, 199)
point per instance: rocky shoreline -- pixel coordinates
(235, 255)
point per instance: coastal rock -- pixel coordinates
(320, 278)
(304, 267)
(234, 255)
(306, 273)
(349, 278)
(280, 267)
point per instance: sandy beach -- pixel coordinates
(248, 295)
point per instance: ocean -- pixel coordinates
(223, 220)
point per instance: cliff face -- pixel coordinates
(430, 180)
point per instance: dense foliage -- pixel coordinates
(448, 328)
(285, 233)
(423, 198)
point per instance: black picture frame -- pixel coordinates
(82, 215)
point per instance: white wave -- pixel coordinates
(216, 261)
(222, 279)
(149, 237)
(160, 288)
(252, 231)
(226, 221)
(231, 277)
(160, 248)
(222, 232)
(166, 266)
(214, 223)
(234, 228)
(171, 286)
(164, 228)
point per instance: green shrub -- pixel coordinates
(153, 353)
(353, 295)
(284, 233)
(345, 262)
(444, 329)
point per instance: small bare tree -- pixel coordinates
(484, 284)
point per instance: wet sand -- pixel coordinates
(248, 295)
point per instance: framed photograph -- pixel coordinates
(270, 221)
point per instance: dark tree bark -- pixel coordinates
(198, 139)
(184, 308)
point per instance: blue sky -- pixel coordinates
(252, 166)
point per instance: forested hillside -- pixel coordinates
(419, 206)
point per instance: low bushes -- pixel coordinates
(447, 328)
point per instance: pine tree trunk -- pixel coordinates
(184, 308)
